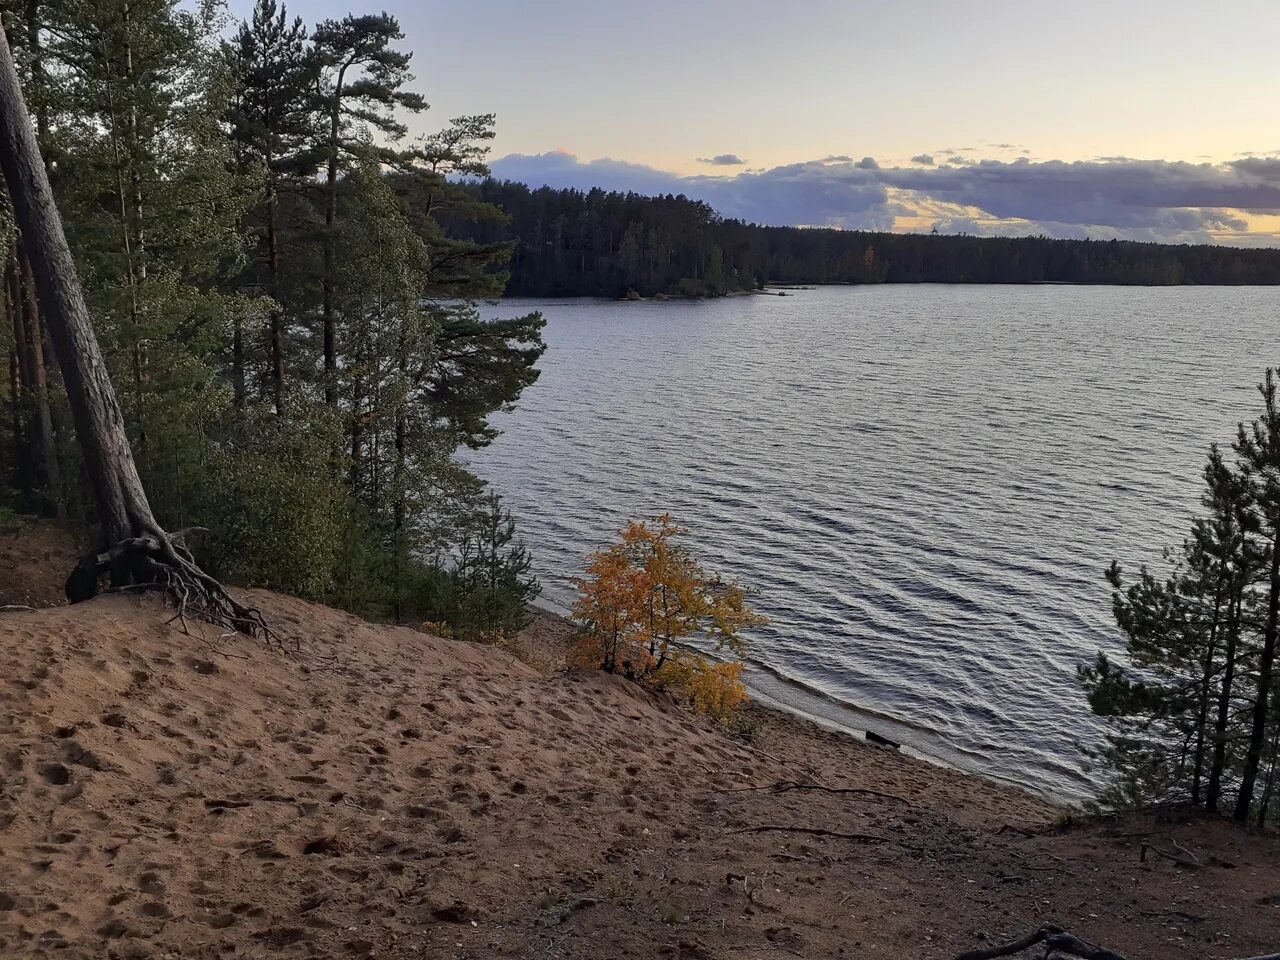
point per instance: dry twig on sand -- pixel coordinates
(783, 786)
(1183, 857)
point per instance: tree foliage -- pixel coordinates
(293, 333)
(641, 602)
(609, 244)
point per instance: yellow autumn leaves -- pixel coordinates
(644, 595)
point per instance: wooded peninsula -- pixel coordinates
(570, 243)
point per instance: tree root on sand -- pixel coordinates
(161, 561)
(1057, 940)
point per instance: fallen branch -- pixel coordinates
(1185, 859)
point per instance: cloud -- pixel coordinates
(724, 160)
(838, 158)
(1117, 197)
(923, 159)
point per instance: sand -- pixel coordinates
(384, 793)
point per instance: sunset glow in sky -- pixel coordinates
(1087, 118)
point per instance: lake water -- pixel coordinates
(923, 484)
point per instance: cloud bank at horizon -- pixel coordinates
(1156, 200)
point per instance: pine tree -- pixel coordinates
(361, 86)
(1193, 710)
(1258, 448)
(274, 125)
(483, 591)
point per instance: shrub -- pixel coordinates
(711, 688)
(483, 591)
(640, 600)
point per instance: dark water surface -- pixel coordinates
(923, 483)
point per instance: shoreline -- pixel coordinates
(778, 693)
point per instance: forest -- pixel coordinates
(291, 332)
(603, 244)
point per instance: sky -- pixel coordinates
(1149, 119)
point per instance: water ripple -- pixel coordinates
(923, 484)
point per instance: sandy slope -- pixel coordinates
(383, 793)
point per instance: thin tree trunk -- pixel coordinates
(401, 446)
(1266, 668)
(1216, 768)
(40, 392)
(24, 480)
(12, 316)
(330, 218)
(277, 314)
(131, 272)
(38, 80)
(1268, 783)
(1202, 716)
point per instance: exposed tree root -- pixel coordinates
(161, 561)
(1057, 940)
(1054, 938)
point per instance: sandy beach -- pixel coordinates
(373, 791)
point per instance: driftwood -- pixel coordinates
(1059, 940)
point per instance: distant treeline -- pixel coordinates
(598, 243)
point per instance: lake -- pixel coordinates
(922, 484)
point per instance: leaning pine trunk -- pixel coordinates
(117, 489)
(136, 549)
